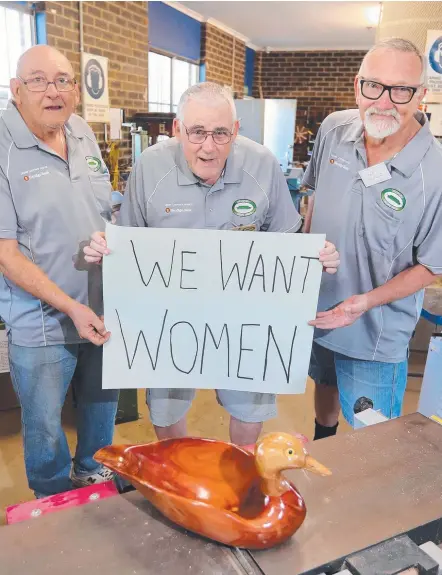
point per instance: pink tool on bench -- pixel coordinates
(38, 507)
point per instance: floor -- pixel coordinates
(206, 419)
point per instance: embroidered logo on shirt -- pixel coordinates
(93, 163)
(339, 162)
(394, 199)
(243, 208)
(35, 173)
(179, 207)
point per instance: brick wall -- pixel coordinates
(321, 81)
(224, 57)
(117, 31)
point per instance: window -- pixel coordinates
(168, 79)
(16, 36)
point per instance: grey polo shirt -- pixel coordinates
(251, 194)
(50, 206)
(379, 231)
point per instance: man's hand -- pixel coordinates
(329, 257)
(97, 248)
(343, 314)
(89, 325)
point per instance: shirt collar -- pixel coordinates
(411, 155)
(232, 173)
(22, 135)
(409, 158)
(234, 165)
(354, 130)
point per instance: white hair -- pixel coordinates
(209, 92)
(400, 45)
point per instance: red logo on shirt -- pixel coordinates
(332, 161)
(26, 178)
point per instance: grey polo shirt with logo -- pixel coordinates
(251, 194)
(50, 207)
(379, 231)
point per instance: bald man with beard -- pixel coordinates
(54, 192)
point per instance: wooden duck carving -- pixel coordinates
(219, 490)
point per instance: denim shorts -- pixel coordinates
(383, 383)
(168, 406)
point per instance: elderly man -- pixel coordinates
(378, 197)
(53, 188)
(210, 170)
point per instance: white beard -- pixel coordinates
(381, 129)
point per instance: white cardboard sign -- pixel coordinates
(209, 309)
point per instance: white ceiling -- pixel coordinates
(295, 25)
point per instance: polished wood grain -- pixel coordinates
(217, 489)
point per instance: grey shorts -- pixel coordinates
(168, 406)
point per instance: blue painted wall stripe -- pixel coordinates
(249, 70)
(40, 28)
(174, 32)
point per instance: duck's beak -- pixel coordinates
(316, 467)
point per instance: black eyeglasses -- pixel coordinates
(398, 94)
(198, 136)
(41, 84)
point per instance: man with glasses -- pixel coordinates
(208, 177)
(378, 197)
(53, 188)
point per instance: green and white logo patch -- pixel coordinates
(244, 208)
(394, 199)
(93, 163)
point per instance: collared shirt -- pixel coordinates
(50, 207)
(251, 194)
(379, 230)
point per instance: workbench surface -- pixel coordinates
(387, 479)
(122, 535)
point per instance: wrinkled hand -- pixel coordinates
(97, 248)
(329, 257)
(88, 324)
(343, 314)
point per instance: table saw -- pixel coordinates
(387, 481)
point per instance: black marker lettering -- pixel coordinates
(286, 370)
(217, 345)
(183, 269)
(235, 267)
(141, 335)
(156, 266)
(308, 267)
(278, 261)
(261, 275)
(241, 349)
(171, 346)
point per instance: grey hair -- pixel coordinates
(206, 91)
(400, 45)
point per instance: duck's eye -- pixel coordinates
(290, 452)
